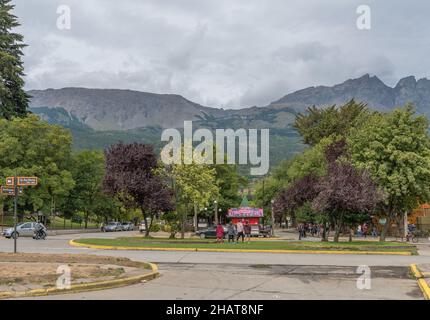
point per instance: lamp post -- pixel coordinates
(273, 218)
(216, 211)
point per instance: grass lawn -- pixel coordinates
(256, 245)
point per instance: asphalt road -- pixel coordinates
(210, 275)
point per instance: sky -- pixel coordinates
(221, 53)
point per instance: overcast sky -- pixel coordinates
(221, 53)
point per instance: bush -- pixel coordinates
(154, 228)
(167, 228)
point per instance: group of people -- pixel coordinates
(315, 230)
(363, 230)
(240, 230)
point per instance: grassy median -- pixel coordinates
(135, 242)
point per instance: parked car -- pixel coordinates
(127, 226)
(25, 229)
(113, 226)
(209, 232)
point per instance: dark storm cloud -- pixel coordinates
(227, 53)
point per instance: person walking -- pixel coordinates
(301, 228)
(219, 233)
(239, 229)
(365, 229)
(231, 232)
(247, 230)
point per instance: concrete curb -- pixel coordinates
(92, 286)
(102, 247)
(422, 283)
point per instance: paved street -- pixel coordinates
(207, 275)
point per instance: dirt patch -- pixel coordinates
(22, 272)
(71, 258)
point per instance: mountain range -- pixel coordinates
(100, 117)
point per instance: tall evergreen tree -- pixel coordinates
(13, 98)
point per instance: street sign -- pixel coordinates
(10, 181)
(10, 191)
(27, 181)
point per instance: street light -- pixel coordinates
(216, 211)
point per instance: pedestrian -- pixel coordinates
(301, 230)
(247, 230)
(365, 228)
(359, 233)
(219, 233)
(239, 229)
(231, 232)
(374, 232)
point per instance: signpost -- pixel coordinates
(27, 181)
(13, 188)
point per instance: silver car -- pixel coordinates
(113, 226)
(127, 226)
(25, 229)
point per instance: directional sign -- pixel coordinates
(10, 181)
(10, 191)
(27, 181)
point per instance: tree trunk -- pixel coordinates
(336, 234)
(386, 226)
(86, 220)
(325, 233)
(146, 224)
(351, 230)
(183, 215)
(196, 209)
(337, 228)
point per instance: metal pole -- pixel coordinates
(15, 214)
(216, 212)
(273, 218)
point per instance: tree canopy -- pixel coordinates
(131, 176)
(395, 148)
(13, 98)
(319, 123)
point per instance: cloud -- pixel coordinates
(220, 53)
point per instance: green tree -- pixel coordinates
(13, 99)
(195, 186)
(229, 181)
(319, 123)
(32, 147)
(88, 170)
(395, 148)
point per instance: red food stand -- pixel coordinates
(252, 215)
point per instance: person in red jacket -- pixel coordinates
(219, 233)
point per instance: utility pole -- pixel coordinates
(15, 217)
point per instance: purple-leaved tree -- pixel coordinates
(130, 176)
(345, 191)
